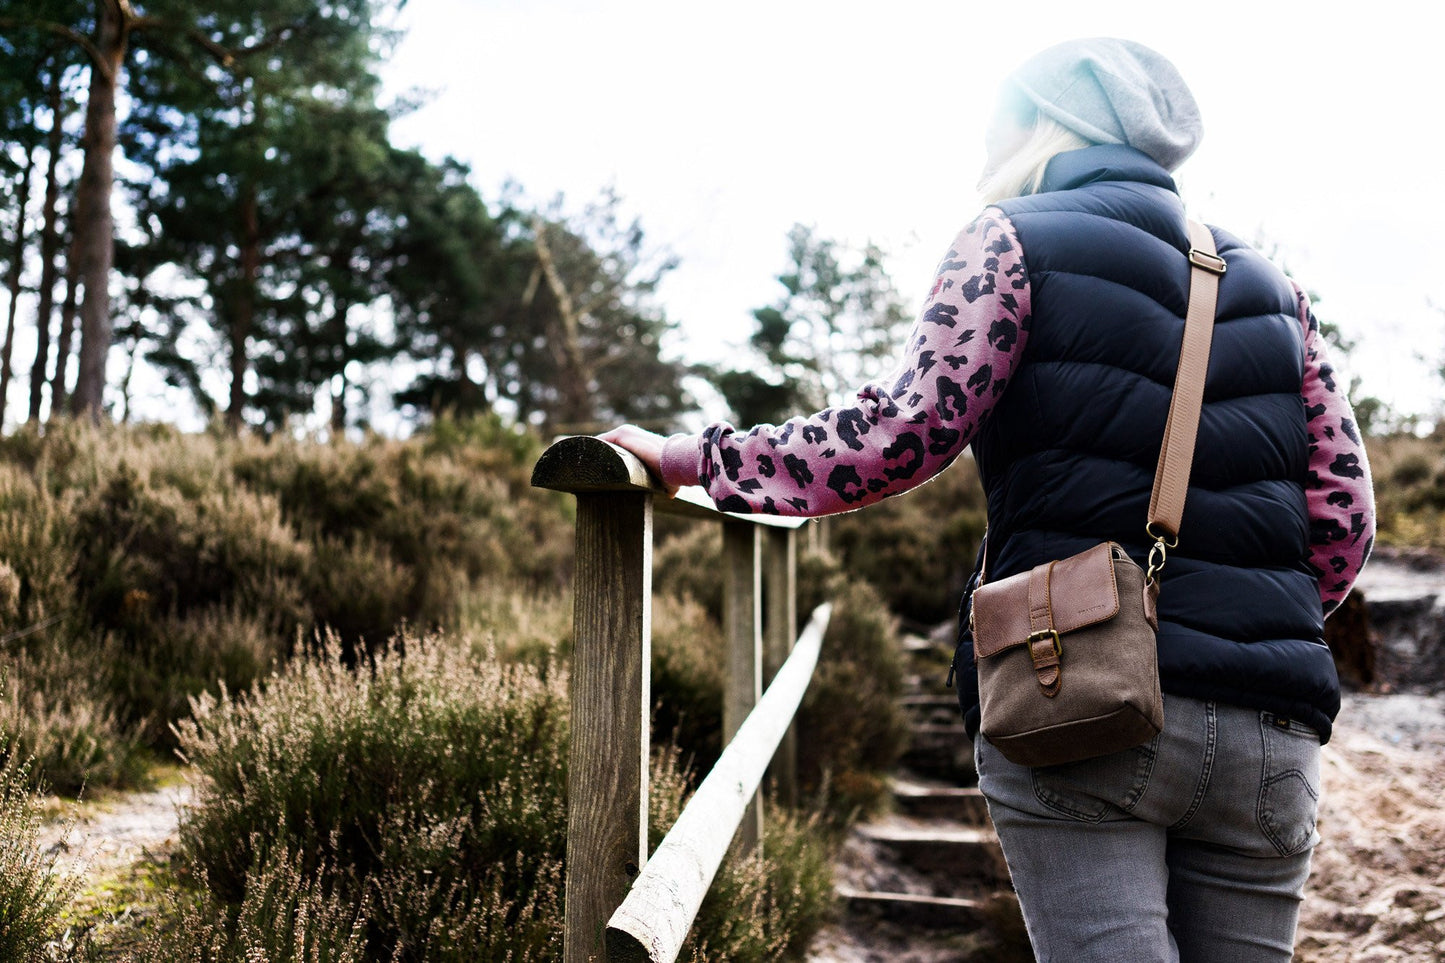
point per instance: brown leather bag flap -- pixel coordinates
(1082, 592)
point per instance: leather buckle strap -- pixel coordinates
(1045, 649)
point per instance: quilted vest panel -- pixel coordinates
(1067, 456)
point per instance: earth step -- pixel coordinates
(960, 804)
(943, 751)
(911, 909)
(957, 852)
(929, 700)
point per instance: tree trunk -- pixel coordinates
(575, 378)
(49, 246)
(243, 312)
(59, 385)
(17, 265)
(338, 394)
(94, 222)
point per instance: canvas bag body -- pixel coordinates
(1066, 656)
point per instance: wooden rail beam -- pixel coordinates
(653, 922)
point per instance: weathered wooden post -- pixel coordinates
(611, 687)
(611, 702)
(742, 628)
(780, 632)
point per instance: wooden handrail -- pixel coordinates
(652, 923)
(611, 695)
(583, 463)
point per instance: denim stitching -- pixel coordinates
(1211, 741)
(1268, 782)
(1143, 771)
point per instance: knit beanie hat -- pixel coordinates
(1114, 92)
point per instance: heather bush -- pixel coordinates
(688, 660)
(686, 565)
(918, 549)
(767, 906)
(428, 783)
(156, 565)
(425, 790)
(285, 917)
(851, 730)
(1409, 475)
(33, 895)
(60, 715)
(517, 623)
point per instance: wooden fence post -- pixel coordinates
(742, 627)
(611, 700)
(780, 633)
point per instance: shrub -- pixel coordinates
(32, 894)
(1410, 489)
(686, 566)
(157, 565)
(413, 782)
(767, 906)
(426, 791)
(65, 722)
(851, 731)
(918, 549)
(688, 659)
(285, 917)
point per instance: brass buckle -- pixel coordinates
(1212, 263)
(1041, 636)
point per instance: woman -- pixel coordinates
(1049, 344)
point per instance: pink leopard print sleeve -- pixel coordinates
(1340, 497)
(897, 433)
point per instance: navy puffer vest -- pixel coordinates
(1067, 456)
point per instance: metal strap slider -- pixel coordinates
(1212, 263)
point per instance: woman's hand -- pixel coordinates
(646, 445)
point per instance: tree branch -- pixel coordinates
(67, 33)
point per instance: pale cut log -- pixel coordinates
(653, 922)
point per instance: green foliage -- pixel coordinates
(918, 550)
(421, 797)
(63, 715)
(141, 566)
(1409, 475)
(837, 321)
(688, 662)
(429, 784)
(851, 731)
(765, 907)
(285, 917)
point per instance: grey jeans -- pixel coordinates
(1193, 847)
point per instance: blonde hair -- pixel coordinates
(1023, 172)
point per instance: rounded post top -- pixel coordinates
(583, 463)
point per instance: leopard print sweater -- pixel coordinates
(906, 428)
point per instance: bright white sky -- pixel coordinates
(722, 125)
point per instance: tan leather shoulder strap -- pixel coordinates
(1171, 479)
